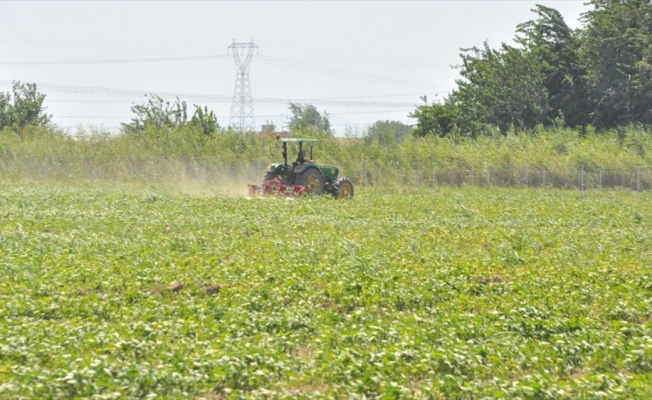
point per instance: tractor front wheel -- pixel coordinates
(312, 180)
(343, 189)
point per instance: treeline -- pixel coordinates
(598, 76)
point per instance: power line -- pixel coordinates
(91, 116)
(334, 114)
(92, 43)
(111, 61)
(341, 73)
(293, 100)
(99, 91)
(287, 63)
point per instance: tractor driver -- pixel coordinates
(302, 157)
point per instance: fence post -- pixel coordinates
(638, 179)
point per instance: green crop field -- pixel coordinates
(125, 292)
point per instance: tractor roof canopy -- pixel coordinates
(296, 140)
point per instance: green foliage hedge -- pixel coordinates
(187, 154)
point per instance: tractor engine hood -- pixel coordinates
(330, 172)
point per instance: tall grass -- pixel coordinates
(185, 154)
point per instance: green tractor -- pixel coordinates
(303, 176)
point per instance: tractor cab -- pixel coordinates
(301, 155)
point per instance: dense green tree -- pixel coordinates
(556, 48)
(307, 118)
(502, 87)
(205, 121)
(6, 113)
(161, 115)
(386, 132)
(23, 107)
(617, 46)
(440, 119)
(600, 74)
(156, 114)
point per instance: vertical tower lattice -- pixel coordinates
(242, 108)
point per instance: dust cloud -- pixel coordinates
(173, 176)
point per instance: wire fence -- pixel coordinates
(582, 177)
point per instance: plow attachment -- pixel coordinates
(276, 188)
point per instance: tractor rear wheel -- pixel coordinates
(343, 189)
(312, 180)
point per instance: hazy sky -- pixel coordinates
(360, 61)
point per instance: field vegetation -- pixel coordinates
(113, 291)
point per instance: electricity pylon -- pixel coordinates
(242, 108)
